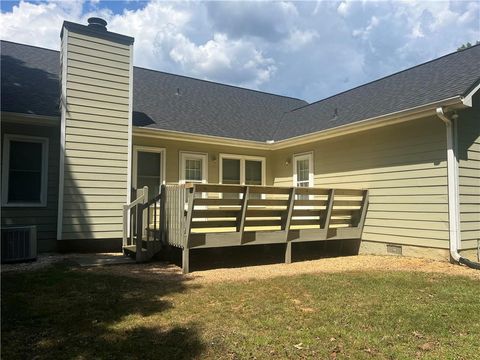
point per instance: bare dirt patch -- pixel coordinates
(46, 259)
(328, 265)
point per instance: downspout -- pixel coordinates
(453, 192)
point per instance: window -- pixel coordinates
(242, 170)
(149, 169)
(231, 171)
(253, 172)
(303, 172)
(193, 167)
(25, 165)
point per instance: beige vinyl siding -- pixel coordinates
(44, 218)
(468, 128)
(96, 137)
(173, 149)
(403, 166)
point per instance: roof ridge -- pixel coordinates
(219, 83)
(184, 76)
(28, 45)
(385, 77)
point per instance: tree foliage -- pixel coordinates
(467, 45)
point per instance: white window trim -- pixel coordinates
(6, 167)
(184, 155)
(242, 159)
(163, 162)
(304, 156)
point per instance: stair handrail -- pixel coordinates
(141, 199)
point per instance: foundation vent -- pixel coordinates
(394, 249)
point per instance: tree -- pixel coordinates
(467, 45)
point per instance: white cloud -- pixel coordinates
(221, 58)
(365, 32)
(417, 31)
(302, 49)
(38, 24)
(297, 39)
(344, 8)
(161, 41)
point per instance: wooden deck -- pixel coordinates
(210, 215)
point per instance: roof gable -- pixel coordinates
(30, 85)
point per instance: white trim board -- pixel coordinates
(63, 115)
(130, 130)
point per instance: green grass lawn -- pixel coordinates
(60, 313)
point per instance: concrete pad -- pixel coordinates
(91, 260)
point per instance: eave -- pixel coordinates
(30, 119)
(456, 102)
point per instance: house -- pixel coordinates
(83, 126)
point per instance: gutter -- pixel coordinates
(453, 190)
(371, 123)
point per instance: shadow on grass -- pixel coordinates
(63, 313)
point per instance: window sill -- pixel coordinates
(23, 205)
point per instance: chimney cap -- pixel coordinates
(96, 28)
(97, 23)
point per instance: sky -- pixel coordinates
(307, 50)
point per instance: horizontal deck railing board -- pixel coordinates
(260, 223)
(218, 202)
(241, 216)
(349, 192)
(268, 202)
(307, 212)
(213, 224)
(311, 191)
(224, 213)
(322, 203)
(265, 213)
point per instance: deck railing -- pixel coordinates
(143, 221)
(211, 215)
(129, 214)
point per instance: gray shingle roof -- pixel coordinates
(448, 76)
(30, 84)
(30, 79)
(173, 102)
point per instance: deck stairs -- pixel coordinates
(143, 242)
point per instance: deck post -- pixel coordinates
(289, 211)
(191, 205)
(125, 225)
(139, 239)
(163, 215)
(288, 253)
(286, 225)
(359, 221)
(328, 213)
(185, 260)
(188, 227)
(145, 219)
(243, 213)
